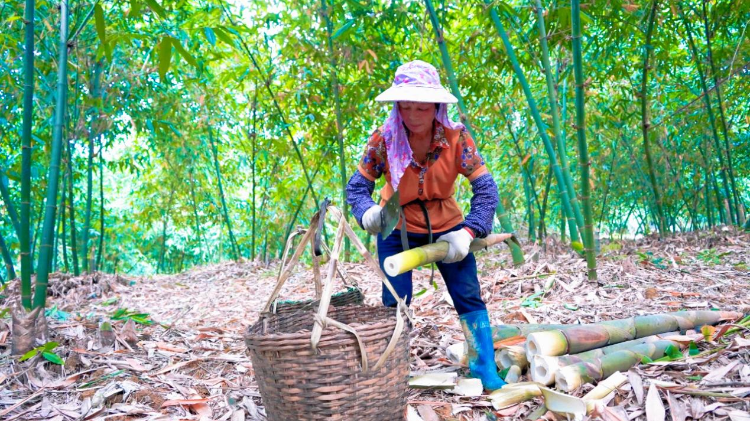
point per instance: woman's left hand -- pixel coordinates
(459, 242)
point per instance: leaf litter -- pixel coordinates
(178, 352)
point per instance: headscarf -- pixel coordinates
(419, 74)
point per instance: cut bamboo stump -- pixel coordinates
(431, 253)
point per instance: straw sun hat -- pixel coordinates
(417, 81)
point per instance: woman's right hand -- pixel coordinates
(371, 220)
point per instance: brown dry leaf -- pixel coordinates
(654, 406)
(719, 373)
(427, 413)
(739, 343)
(175, 402)
(630, 8)
(177, 365)
(170, 348)
(651, 293)
(636, 382)
(739, 415)
(676, 408)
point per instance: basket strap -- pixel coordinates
(284, 275)
(392, 343)
(324, 322)
(376, 267)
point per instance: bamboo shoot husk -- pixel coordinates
(573, 376)
(420, 256)
(544, 367)
(514, 393)
(511, 356)
(586, 337)
(603, 389)
(456, 353)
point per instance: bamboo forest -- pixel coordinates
(164, 165)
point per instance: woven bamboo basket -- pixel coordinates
(297, 383)
(352, 296)
(331, 363)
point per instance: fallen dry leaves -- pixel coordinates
(190, 362)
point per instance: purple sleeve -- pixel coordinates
(483, 204)
(359, 195)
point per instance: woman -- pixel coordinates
(421, 152)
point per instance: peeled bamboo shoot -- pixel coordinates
(420, 256)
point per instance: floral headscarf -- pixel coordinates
(419, 74)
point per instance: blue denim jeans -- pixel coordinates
(460, 277)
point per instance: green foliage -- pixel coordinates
(173, 68)
(47, 353)
(125, 314)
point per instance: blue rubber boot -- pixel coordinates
(481, 353)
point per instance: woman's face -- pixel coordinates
(417, 116)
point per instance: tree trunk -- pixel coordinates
(583, 149)
(100, 250)
(48, 231)
(93, 134)
(215, 152)
(28, 115)
(709, 111)
(326, 12)
(542, 128)
(7, 259)
(552, 98)
(255, 147)
(645, 118)
(12, 214)
(72, 211)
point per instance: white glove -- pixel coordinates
(459, 242)
(371, 220)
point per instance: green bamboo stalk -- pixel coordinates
(607, 184)
(552, 98)
(28, 115)
(96, 96)
(100, 250)
(215, 152)
(12, 214)
(165, 214)
(72, 211)
(542, 129)
(254, 155)
(524, 168)
(278, 109)
(505, 223)
(7, 259)
(198, 232)
(583, 149)
(727, 144)
(48, 230)
(62, 222)
(709, 111)
(645, 118)
(326, 12)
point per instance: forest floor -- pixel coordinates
(191, 362)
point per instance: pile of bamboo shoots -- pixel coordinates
(569, 356)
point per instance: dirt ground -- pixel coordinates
(186, 358)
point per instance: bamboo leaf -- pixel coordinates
(28, 355)
(222, 34)
(210, 35)
(654, 406)
(343, 29)
(184, 53)
(52, 357)
(153, 5)
(100, 24)
(693, 349)
(165, 57)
